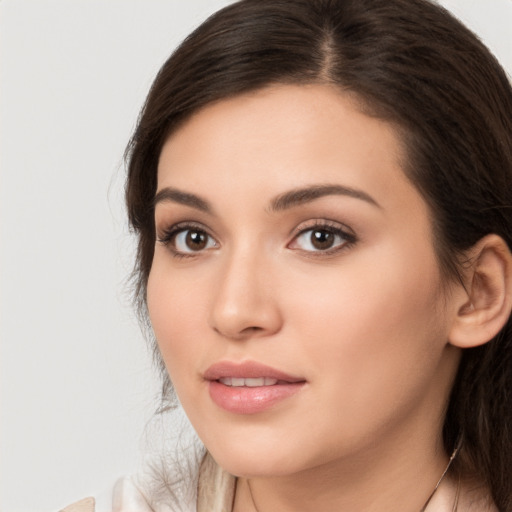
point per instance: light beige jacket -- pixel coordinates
(215, 493)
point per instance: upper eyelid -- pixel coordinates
(322, 223)
(183, 226)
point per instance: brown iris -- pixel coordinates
(196, 240)
(322, 239)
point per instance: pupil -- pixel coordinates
(322, 239)
(196, 240)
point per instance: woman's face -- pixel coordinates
(295, 293)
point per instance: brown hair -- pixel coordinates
(409, 62)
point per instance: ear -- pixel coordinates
(486, 306)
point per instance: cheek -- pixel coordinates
(373, 344)
(375, 325)
(174, 311)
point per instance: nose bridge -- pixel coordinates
(244, 303)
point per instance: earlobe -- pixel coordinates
(488, 300)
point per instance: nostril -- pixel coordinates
(246, 332)
(253, 329)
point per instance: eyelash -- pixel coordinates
(331, 227)
(169, 236)
(349, 239)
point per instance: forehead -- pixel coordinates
(279, 135)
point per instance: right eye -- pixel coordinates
(188, 240)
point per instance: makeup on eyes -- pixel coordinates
(195, 233)
(325, 236)
(318, 237)
(317, 221)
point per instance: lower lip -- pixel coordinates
(247, 400)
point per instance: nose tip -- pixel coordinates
(242, 318)
(245, 305)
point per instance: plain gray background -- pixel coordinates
(77, 387)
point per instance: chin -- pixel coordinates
(258, 459)
(247, 467)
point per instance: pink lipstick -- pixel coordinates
(249, 387)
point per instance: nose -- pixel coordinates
(245, 303)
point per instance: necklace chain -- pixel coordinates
(455, 503)
(453, 455)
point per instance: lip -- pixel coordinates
(249, 370)
(249, 400)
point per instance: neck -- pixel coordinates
(376, 479)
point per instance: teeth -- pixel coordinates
(250, 383)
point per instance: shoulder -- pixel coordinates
(165, 488)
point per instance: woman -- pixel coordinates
(321, 193)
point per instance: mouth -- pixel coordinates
(238, 382)
(249, 387)
(248, 373)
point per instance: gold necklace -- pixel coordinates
(456, 500)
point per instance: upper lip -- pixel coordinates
(247, 369)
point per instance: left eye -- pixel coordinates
(192, 240)
(320, 239)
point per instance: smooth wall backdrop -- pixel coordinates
(77, 387)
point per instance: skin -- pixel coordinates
(366, 323)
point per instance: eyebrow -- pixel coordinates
(284, 201)
(304, 195)
(180, 197)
